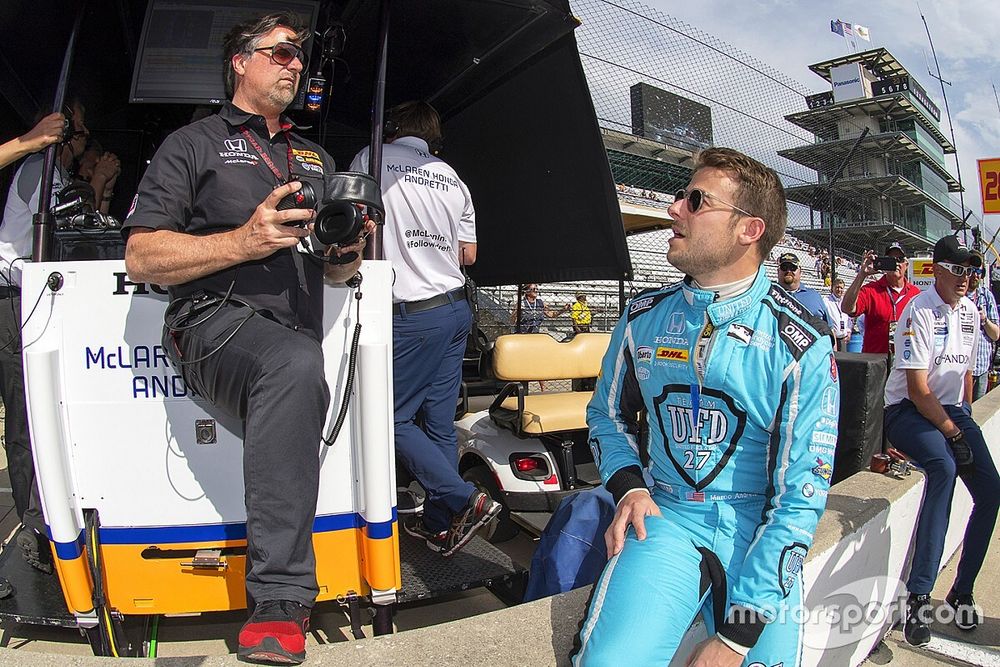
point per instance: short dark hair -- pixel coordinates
(244, 37)
(415, 119)
(758, 190)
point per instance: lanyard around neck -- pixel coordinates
(267, 158)
(895, 302)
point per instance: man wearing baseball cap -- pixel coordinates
(928, 416)
(790, 277)
(881, 301)
(989, 330)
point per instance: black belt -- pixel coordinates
(9, 291)
(411, 307)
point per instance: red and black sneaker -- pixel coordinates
(479, 512)
(275, 634)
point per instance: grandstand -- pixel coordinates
(661, 89)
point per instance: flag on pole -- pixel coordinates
(848, 32)
(837, 27)
(862, 32)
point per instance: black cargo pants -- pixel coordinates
(271, 377)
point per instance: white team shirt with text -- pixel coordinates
(938, 339)
(428, 211)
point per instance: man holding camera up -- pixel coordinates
(245, 321)
(928, 416)
(881, 301)
(430, 233)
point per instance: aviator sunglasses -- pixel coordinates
(696, 197)
(283, 53)
(960, 271)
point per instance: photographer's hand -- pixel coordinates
(49, 130)
(269, 229)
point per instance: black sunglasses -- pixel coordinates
(788, 267)
(696, 197)
(283, 53)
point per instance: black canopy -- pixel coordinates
(520, 126)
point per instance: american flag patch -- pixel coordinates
(696, 496)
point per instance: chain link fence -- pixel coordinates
(664, 89)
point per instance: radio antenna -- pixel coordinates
(951, 125)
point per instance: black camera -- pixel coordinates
(886, 263)
(75, 209)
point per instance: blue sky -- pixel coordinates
(790, 35)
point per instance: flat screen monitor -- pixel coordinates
(180, 51)
(670, 119)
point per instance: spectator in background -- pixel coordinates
(824, 270)
(532, 311)
(790, 277)
(881, 301)
(840, 323)
(46, 132)
(101, 170)
(989, 330)
(580, 313)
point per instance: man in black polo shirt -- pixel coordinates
(204, 223)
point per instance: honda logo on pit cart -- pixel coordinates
(236, 145)
(123, 285)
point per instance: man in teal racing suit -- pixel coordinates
(739, 386)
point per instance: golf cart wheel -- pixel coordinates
(503, 528)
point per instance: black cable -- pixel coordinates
(173, 327)
(13, 311)
(253, 311)
(351, 368)
(92, 525)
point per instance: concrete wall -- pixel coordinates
(856, 570)
(859, 558)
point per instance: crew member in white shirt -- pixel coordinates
(429, 234)
(928, 416)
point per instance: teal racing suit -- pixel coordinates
(742, 400)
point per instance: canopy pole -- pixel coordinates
(374, 249)
(42, 223)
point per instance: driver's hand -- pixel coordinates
(632, 510)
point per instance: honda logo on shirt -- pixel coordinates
(236, 145)
(676, 323)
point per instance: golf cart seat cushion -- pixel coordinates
(524, 357)
(546, 413)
